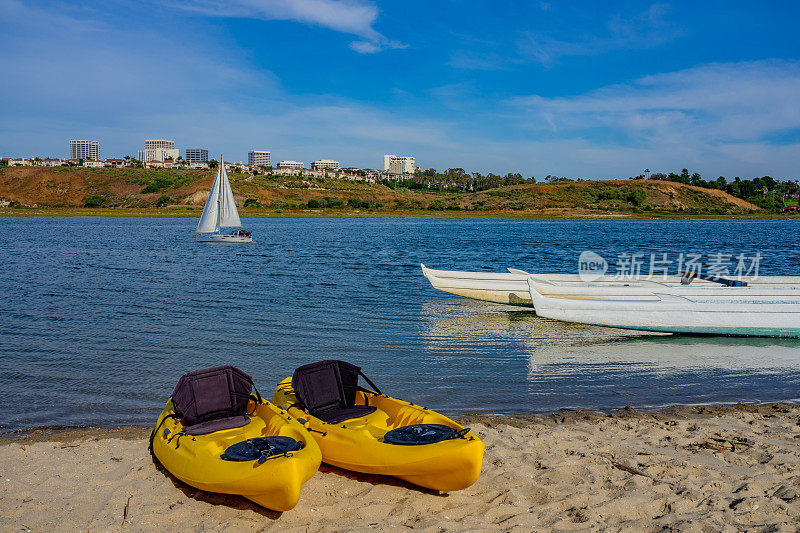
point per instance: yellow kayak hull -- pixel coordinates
(195, 460)
(357, 444)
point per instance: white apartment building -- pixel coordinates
(158, 150)
(158, 154)
(196, 154)
(291, 164)
(94, 163)
(258, 158)
(395, 164)
(83, 149)
(321, 164)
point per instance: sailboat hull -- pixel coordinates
(232, 239)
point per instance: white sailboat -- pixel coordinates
(220, 212)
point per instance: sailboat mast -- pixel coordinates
(219, 196)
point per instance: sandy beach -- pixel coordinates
(712, 468)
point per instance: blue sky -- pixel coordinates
(578, 89)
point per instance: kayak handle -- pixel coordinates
(264, 457)
(460, 434)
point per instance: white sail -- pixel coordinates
(209, 220)
(228, 215)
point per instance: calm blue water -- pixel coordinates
(101, 316)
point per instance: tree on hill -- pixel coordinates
(761, 191)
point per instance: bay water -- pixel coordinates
(101, 316)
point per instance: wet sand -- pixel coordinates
(708, 468)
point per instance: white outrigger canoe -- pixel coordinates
(511, 287)
(737, 314)
(500, 287)
(784, 289)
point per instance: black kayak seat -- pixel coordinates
(213, 399)
(327, 389)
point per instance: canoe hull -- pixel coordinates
(644, 290)
(673, 314)
(501, 288)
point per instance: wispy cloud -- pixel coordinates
(734, 111)
(720, 102)
(644, 29)
(481, 60)
(354, 17)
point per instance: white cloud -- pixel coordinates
(717, 115)
(365, 47)
(718, 102)
(355, 17)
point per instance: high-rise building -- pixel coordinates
(159, 143)
(291, 164)
(158, 150)
(84, 150)
(258, 158)
(324, 163)
(196, 154)
(396, 164)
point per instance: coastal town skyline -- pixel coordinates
(577, 90)
(163, 153)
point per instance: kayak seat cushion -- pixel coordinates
(340, 415)
(260, 448)
(213, 399)
(327, 389)
(419, 434)
(218, 424)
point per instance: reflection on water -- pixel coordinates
(588, 367)
(463, 320)
(672, 352)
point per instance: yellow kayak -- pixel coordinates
(383, 435)
(266, 460)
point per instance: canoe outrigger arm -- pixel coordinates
(688, 276)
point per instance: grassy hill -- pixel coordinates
(186, 190)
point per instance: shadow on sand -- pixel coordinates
(229, 500)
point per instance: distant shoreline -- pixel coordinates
(183, 212)
(149, 193)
